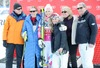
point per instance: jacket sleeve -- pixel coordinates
(24, 28)
(52, 43)
(6, 28)
(93, 29)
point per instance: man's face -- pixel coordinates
(18, 10)
(81, 9)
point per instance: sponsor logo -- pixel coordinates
(97, 7)
(82, 21)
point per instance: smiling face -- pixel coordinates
(66, 11)
(33, 11)
(48, 12)
(18, 10)
(81, 7)
(55, 20)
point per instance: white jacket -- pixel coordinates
(74, 27)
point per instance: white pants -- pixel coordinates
(47, 50)
(60, 61)
(86, 54)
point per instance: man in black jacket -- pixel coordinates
(86, 35)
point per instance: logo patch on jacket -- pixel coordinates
(82, 21)
(93, 24)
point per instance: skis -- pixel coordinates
(42, 59)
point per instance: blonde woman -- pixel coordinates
(47, 35)
(30, 30)
(71, 22)
(59, 43)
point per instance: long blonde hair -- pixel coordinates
(69, 11)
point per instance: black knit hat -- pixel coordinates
(16, 5)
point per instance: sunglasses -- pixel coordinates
(33, 11)
(64, 11)
(48, 11)
(19, 8)
(79, 8)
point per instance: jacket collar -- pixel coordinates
(38, 18)
(86, 12)
(18, 18)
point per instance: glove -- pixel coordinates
(4, 43)
(24, 35)
(57, 53)
(41, 43)
(62, 28)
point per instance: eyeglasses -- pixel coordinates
(79, 8)
(33, 11)
(64, 11)
(19, 8)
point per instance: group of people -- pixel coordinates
(62, 36)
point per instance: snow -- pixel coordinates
(2, 49)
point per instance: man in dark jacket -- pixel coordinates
(86, 35)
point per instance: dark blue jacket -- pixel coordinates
(58, 39)
(86, 29)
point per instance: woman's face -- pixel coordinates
(33, 12)
(48, 12)
(55, 20)
(64, 13)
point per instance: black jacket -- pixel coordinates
(86, 29)
(58, 39)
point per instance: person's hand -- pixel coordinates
(91, 45)
(63, 27)
(60, 50)
(4, 43)
(41, 43)
(24, 35)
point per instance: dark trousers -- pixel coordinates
(72, 54)
(9, 54)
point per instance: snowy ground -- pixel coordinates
(2, 65)
(2, 49)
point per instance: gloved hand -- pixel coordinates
(24, 35)
(63, 27)
(4, 43)
(41, 43)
